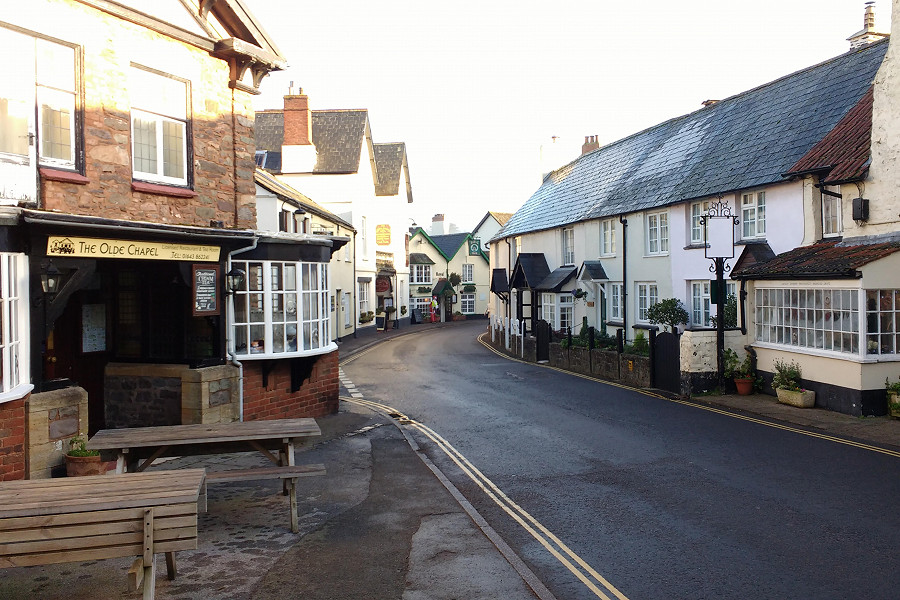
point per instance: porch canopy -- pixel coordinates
(555, 281)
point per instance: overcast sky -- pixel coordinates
(478, 89)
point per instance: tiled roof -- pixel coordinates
(823, 260)
(499, 282)
(449, 244)
(419, 258)
(593, 270)
(748, 140)
(389, 164)
(530, 270)
(555, 280)
(844, 153)
(337, 134)
(501, 217)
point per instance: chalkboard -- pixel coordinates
(416, 316)
(206, 290)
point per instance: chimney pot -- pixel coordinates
(591, 142)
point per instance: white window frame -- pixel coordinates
(568, 245)
(616, 298)
(286, 310)
(14, 341)
(832, 217)
(363, 233)
(700, 303)
(698, 211)
(467, 303)
(657, 230)
(882, 322)
(160, 108)
(607, 237)
(548, 308)
(59, 96)
(420, 274)
(753, 215)
(346, 303)
(468, 273)
(423, 303)
(362, 296)
(647, 296)
(566, 311)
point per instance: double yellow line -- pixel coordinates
(565, 555)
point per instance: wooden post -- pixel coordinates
(149, 556)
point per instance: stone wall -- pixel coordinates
(54, 418)
(210, 395)
(628, 369)
(12, 440)
(317, 396)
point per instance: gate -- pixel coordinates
(542, 335)
(667, 362)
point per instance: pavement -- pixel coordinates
(383, 523)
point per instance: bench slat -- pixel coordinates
(88, 529)
(96, 541)
(63, 506)
(285, 472)
(81, 555)
(100, 516)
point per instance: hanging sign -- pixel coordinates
(382, 285)
(205, 290)
(474, 247)
(106, 248)
(383, 235)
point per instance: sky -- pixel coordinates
(489, 95)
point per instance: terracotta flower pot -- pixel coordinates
(83, 465)
(744, 385)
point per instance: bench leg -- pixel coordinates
(171, 571)
(150, 579)
(295, 526)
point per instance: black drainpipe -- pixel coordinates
(624, 223)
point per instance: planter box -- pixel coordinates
(804, 399)
(892, 398)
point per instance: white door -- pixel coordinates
(345, 308)
(18, 174)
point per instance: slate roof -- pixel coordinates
(530, 270)
(389, 165)
(449, 244)
(748, 140)
(843, 154)
(419, 258)
(555, 280)
(337, 134)
(592, 270)
(499, 282)
(824, 260)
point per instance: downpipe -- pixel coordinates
(229, 342)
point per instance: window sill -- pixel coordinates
(696, 246)
(17, 393)
(162, 190)
(284, 355)
(750, 241)
(615, 323)
(49, 174)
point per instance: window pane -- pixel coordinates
(173, 149)
(56, 132)
(144, 145)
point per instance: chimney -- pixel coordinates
(868, 34)
(437, 225)
(590, 143)
(297, 119)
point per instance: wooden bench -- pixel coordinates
(76, 519)
(290, 473)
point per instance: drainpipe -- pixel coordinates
(228, 340)
(743, 295)
(624, 223)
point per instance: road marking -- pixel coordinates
(586, 574)
(694, 404)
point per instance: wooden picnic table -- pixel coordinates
(138, 447)
(75, 519)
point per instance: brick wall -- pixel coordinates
(221, 120)
(12, 440)
(318, 396)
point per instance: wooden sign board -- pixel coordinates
(205, 289)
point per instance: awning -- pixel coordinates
(555, 280)
(592, 270)
(419, 258)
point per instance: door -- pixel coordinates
(18, 174)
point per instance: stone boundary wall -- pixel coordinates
(54, 418)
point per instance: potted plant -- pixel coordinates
(787, 385)
(740, 371)
(80, 460)
(458, 316)
(893, 394)
(389, 315)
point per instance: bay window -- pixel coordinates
(282, 309)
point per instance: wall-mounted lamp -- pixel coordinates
(50, 279)
(234, 280)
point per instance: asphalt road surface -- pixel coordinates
(616, 493)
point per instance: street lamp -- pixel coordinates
(234, 280)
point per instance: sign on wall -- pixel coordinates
(206, 290)
(383, 235)
(106, 248)
(474, 247)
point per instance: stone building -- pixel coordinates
(126, 185)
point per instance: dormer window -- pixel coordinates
(832, 225)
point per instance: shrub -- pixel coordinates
(639, 345)
(787, 376)
(669, 312)
(730, 312)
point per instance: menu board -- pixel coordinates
(206, 290)
(93, 328)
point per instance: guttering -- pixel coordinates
(624, 223)
(228, 341)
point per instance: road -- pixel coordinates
(657, 499)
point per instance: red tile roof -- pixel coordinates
(823, 260)
(844, 152)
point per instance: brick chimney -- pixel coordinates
(298, 154)
(590, 143)
(437, 225)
